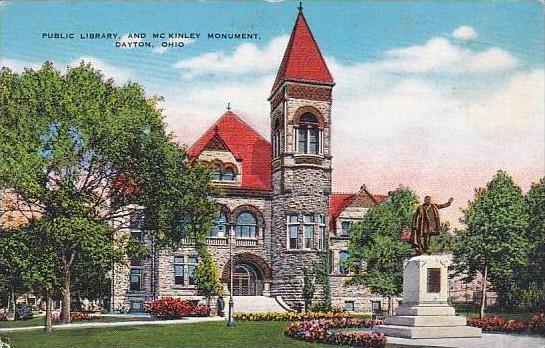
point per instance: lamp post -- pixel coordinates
(231, 320)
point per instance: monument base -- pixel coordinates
(425, 312)
(437, 322)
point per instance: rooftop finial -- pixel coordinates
(228, 106)
(300, 8)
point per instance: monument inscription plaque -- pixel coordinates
(434, 280)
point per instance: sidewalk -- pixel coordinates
(116, 324)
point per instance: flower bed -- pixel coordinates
(174, 308)
(317, 331)
(74, 316)
(288, 316)
(536, 324)
(497, 324)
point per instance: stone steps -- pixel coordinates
(255, 304)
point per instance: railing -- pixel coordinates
(219, 241)
(246, 242)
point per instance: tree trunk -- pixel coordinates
(483, 293)
(390, 306)
(66, 296)
(47, 327)
(12, 304)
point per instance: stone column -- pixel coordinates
(267, 289)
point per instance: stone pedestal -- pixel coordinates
(425, 312)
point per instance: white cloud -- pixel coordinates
(18, 65)
(120, 75)
(163, 49)
(247, 58)
(439, 55)
(465, 33)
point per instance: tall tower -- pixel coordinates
(301, 167)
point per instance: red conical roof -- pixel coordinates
(302, 60)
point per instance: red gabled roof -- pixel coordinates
(380, 198)
(337, 203)
(245, 144)
(302, 60)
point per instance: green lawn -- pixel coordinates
(209, 334)
(39, 321)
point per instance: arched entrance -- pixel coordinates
(247, 281)
(252, 276)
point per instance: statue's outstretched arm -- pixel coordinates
(441, 206)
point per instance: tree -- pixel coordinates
(207, 276)
(376, 240)
(76, 151)
(536, 236)
(444, 241)
(36, 261)
(494, 244)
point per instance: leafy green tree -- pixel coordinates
(494, 244)
(76, 150)
(536, 236)
(444, 241)
(207, 276)
(376, 240)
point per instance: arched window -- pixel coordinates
(308, 135)
(343, 262)
(217, 173)
(228, 174)
(246, 225)
(220, 228)
(277, 138)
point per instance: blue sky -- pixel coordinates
(436, 95)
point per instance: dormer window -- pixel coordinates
(309, 135)
(224, 172)
(228, 175)
(217, 173)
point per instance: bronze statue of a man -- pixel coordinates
(426, 224)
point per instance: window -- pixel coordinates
(137, 306)
(224, 172)
(308, 135)
(137, 235)
(217, 173)
(182, 266)
(220, 227)
(246, 226)
(277, 139)
(228, 175)
(376, 306)
(179, 273)
(308, 231)
(343, 262)
(136, 220)
(345, 228)
(321, 232)
(349, 306)
(136, 280)
(191, 265)
(293, 225)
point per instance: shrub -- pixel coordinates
(318, 331)
(174, 308)
(201, 310)
(74, 316)
(498, 324)
(288, 316)
(536, 324)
